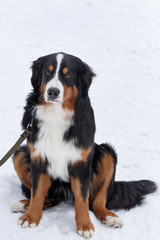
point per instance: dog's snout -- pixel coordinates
(53, 93)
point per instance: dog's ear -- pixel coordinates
(37, 73)
(86, 77)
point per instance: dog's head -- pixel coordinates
(60, 78)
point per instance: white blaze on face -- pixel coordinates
(55, 82)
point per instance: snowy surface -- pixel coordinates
(120, 40)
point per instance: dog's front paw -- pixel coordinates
(115, 222)
(28, 221)
(86, 231)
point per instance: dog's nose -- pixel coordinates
(53, 93)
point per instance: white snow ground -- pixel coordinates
(120, 40)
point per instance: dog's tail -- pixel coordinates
(126, 195)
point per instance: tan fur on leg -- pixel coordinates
(33, 215)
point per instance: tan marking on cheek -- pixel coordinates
(51, 68)
(68, 93)
(37, 159)
(69, 97)
(65, 70)
(42, 88)
(42, 92)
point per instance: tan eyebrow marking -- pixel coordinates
(65, 70)
(51, 68)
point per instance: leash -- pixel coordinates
(22, 137)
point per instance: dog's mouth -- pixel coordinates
(55, 100)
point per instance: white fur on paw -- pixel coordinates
(20, 222)
(26, 224)
(32, 225)
(86, 234)
(115, 222)
(18, 207)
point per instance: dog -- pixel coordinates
(61, 161)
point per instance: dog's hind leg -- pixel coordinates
(22, 205)
(101, 179)
(21, 162)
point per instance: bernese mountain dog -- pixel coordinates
(61, 161)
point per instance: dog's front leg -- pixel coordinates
(40, 186)
(80, 188)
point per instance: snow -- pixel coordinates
(119, 39)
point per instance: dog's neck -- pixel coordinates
(54, 113)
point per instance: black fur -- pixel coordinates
(127, 195)
(84, 128)
(26, 191)
(120, 194)
(36, 171)
(82, 171)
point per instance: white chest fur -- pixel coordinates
(53, 123)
